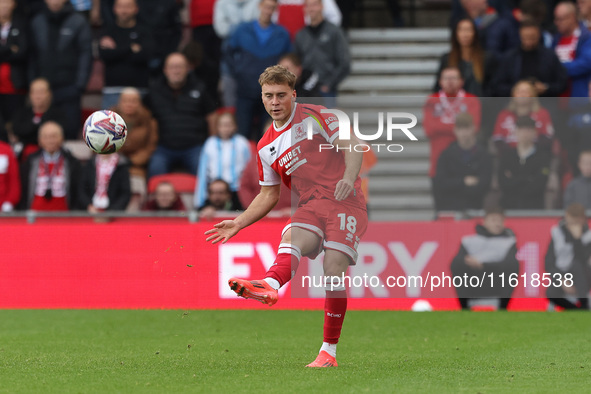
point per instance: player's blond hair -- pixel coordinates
(277, 75)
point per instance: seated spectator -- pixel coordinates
(523, 170)
(104, 185)
(440, 113)
(165, 199)
(536, 11)
(163, 20)
(142, 139)
(65, 62)
(475, 65)
(568, 254)
(579, 189)
(50, 176)
(573, 47)
(125, 48)
(324, 50)
(307, 82)
(533, 62)
(523, 103)
(464, 170)
(219, 198)
(253, 47)
(10, 184)
(184, 111)
(497, 33)
(491, 251)
(13, 60)
(224, 156)
(40, 110)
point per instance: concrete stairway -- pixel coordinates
(393, 70)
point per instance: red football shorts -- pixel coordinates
(339, 226)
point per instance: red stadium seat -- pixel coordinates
(183, 183)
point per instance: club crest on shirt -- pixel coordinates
(299, 133)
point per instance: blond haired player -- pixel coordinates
(331, 213)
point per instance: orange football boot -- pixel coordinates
(323, 360)
(256, 289)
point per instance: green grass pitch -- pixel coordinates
(106, 351)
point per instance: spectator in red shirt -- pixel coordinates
(50, 176)
(524, 103)
(441, 109)
(10, 184)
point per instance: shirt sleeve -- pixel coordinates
(267, 176)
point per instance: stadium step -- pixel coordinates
(393, 70)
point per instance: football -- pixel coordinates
(104, 132)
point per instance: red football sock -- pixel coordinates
(286, 263)
(335, 306)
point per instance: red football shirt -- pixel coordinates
(307, 166)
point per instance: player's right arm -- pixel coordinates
(262, 204)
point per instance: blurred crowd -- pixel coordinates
(508, 122)
(190, 99)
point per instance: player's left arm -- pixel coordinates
(353, 162)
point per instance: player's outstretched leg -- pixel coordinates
(256, 289)
(281, 272)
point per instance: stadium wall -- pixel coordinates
(166, 263)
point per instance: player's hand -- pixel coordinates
(343, 189)
(222, 231)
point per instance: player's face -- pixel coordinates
(278, 100)
(50, 138)
(125, 10)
